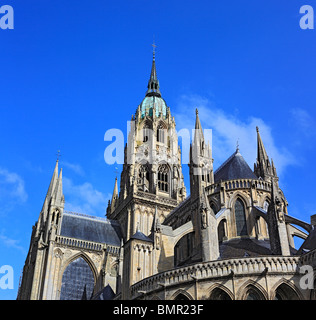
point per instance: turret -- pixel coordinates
(263, 168)
(201, 162)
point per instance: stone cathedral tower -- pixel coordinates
(151, 183)
(152, 173)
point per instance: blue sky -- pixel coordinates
(71, 70)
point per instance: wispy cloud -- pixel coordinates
(12, 186)
(76, 168)
(228, 128)
(303, 122)
(84, 198)
(12, 243)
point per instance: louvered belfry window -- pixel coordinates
(240, 217)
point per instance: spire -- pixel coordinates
(197, 121)
(263, 166)
(198, 140)
(51, 187)
(53, 181)
(201, 162)
(261, 151)
(114, 196)
(153, 83)
(58, 192)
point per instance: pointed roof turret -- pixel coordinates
(263, 167)
(197, 121)
(114, 196)
(200, 147)
(53, 181)
(58, 192)
(198, 131)
(51, 187)
(153, 83)
(261, 151)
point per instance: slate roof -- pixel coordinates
(309, 243)
(105, 294)
(140, 236)
(237, 248)
(91, 228)
(235, 167)
(247, 247)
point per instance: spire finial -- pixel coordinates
(154, 47)
(237, 146)
(153, 83)
(196, 111)
(116, 172)
(257, 128)
(58, 155)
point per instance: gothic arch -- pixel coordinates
(71, 260)
(217, 289)
(286, 290)
(164, 177)
(264, 200)
(162, 124)
(181, 292)
(222, 229)
(183, 248)
(214, 205)
(240, 217)
(243, 197)
(185, 229)
(146, 124)
(251, 285)
(143, 176)
(85, 257)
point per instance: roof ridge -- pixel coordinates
(87, 216)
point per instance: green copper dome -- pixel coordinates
(149, 103)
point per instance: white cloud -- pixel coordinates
(76, 168)
(11, 243)
(84, 198)
(303, 122)
(12, 186)
(228, 128)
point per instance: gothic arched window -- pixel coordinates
(146, 133)
(161, 133)
(77, 281)
(163, 178)
(143, 178)
(266, 206)
(219, 294)
(240, 218)
(253, 294)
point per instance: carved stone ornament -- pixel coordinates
(279, 209)
(203, 211)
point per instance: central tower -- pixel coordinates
(151, 181)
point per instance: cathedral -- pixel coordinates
(230, 239)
